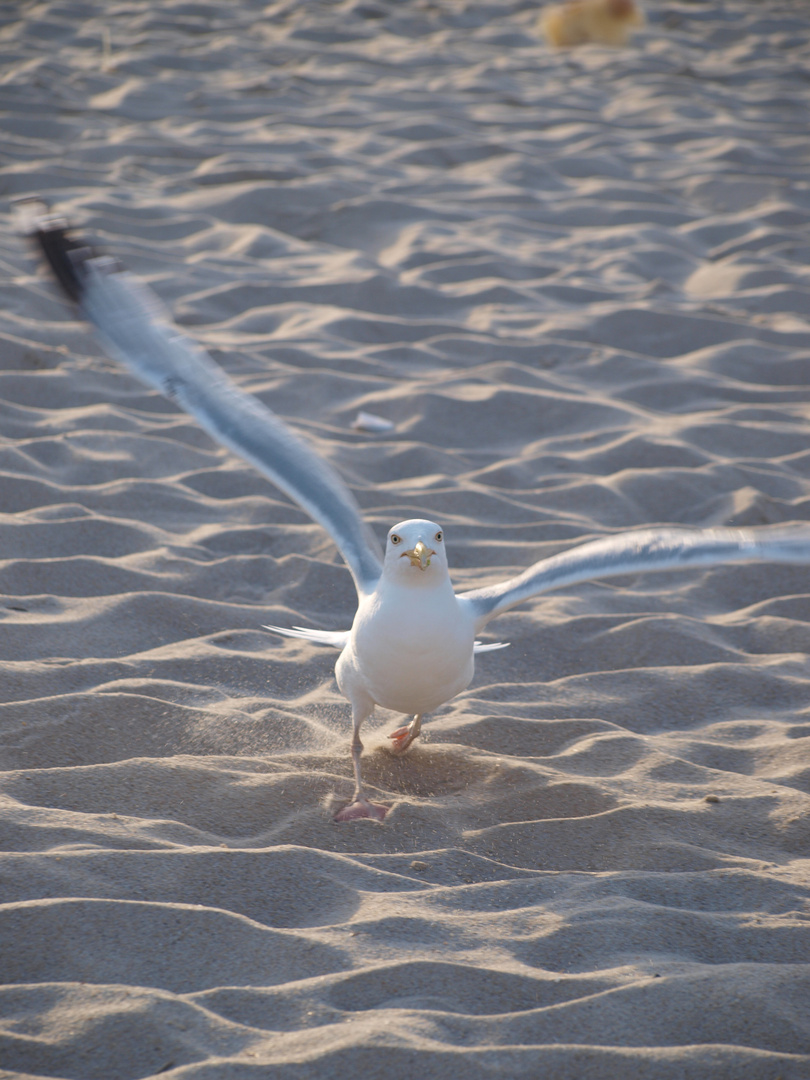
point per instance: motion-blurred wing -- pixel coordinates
(640, 552)
(135, 328)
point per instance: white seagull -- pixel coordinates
(411, 646)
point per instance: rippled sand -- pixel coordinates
(577, 284)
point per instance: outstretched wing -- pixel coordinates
(135, 327)
(637, 552)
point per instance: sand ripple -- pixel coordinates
(577, 284)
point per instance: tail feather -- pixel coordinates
(479, 647)
(338, 639)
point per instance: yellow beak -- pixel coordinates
(419, 555)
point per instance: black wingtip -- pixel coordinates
(65, 256)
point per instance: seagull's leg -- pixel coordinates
(360, 806)
(404, 736)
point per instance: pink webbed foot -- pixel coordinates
(361, 808)
(402, 738)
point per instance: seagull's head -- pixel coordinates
(414, 551)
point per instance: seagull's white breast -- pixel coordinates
(412, 647)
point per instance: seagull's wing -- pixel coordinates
(639, 552)
(135, 328)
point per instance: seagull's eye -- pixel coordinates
(438, 537)
(396, 539)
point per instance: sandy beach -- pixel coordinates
(577, 284)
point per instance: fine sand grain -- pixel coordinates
(577, 285)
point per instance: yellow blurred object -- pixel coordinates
(604, 22)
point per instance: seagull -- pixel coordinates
(412, 644)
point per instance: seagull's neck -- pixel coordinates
(411, 617)
(414, 582)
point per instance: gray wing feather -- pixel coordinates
(135, 328)
(640, 552)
